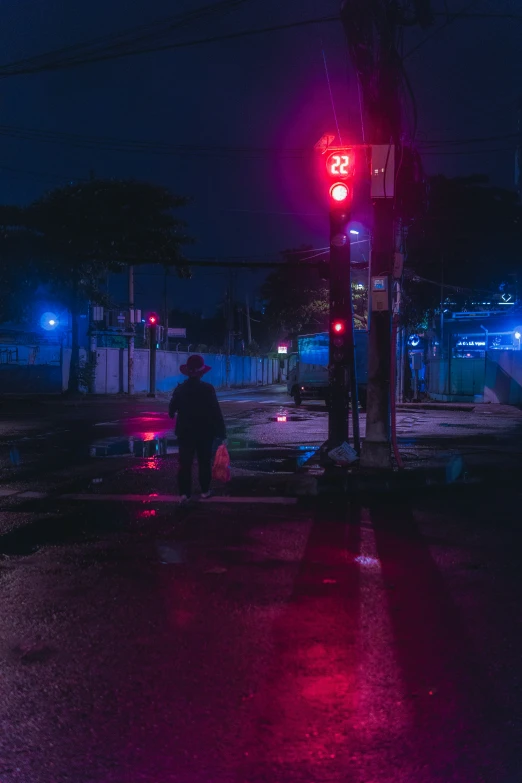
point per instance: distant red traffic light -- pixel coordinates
(153, 319)
(338, 327)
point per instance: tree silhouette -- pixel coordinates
(80, 232)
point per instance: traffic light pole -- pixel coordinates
(340, 293)
(343, 378)
(152, 365)
(130, 363)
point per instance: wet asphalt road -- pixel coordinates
(249, 642)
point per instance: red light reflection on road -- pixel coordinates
(307, 708)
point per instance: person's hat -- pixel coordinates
(195, 367)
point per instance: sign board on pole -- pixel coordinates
(174, 331)
(383, 171)
(282, 349)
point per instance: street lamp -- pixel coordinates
(49, 321)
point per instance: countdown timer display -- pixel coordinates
(340, 164)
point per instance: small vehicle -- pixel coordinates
(308, 368)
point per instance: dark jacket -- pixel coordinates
(199, 415)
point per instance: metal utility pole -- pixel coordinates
(130, 357)
(153, 337)
(518, 154)
(165, 313)
(371, 30)
(92, 349)
(341, 330)
(229, 325)
(441, 304)
(249, 326)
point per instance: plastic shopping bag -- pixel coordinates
(221, 467)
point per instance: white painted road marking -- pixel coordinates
(282, 501)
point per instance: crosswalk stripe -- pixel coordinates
(282, 501)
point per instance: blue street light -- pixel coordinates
(49, 321)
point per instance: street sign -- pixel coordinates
(324, 142)
(282, 349)
(383, 171)
(174, 331)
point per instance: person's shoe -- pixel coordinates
(184, 499)
(206, 495)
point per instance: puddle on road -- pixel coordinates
(271, 458)
(285, 417)
(152, 445)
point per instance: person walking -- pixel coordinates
(199, 422)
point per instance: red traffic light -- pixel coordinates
(338, 327)
(339, 192)
(153, 319)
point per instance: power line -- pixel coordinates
(159, 28)
(331, 97)
(470, 152)
(274, 212)
(479, 15)
(133, 145)
(448, 21)
(283, 264)
(475, 140)
(40, 174)
(8, 70)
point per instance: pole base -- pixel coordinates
(376, 454)
(151, 394)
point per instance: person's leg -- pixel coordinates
(204, 449)
(187, 450)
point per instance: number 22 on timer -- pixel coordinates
(339, 164)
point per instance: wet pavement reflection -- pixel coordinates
(141, 441)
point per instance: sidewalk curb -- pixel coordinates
(462, 407)
(339, 482)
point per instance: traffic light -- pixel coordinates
(153, 319)
(339, 192)
(339, 343)
(340, 173)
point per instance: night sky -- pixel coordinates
(269, 91)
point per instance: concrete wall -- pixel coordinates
(503, 382)
(38, 369)
(460, 381)
(497, 379)
(111, 370)
(45, 369)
